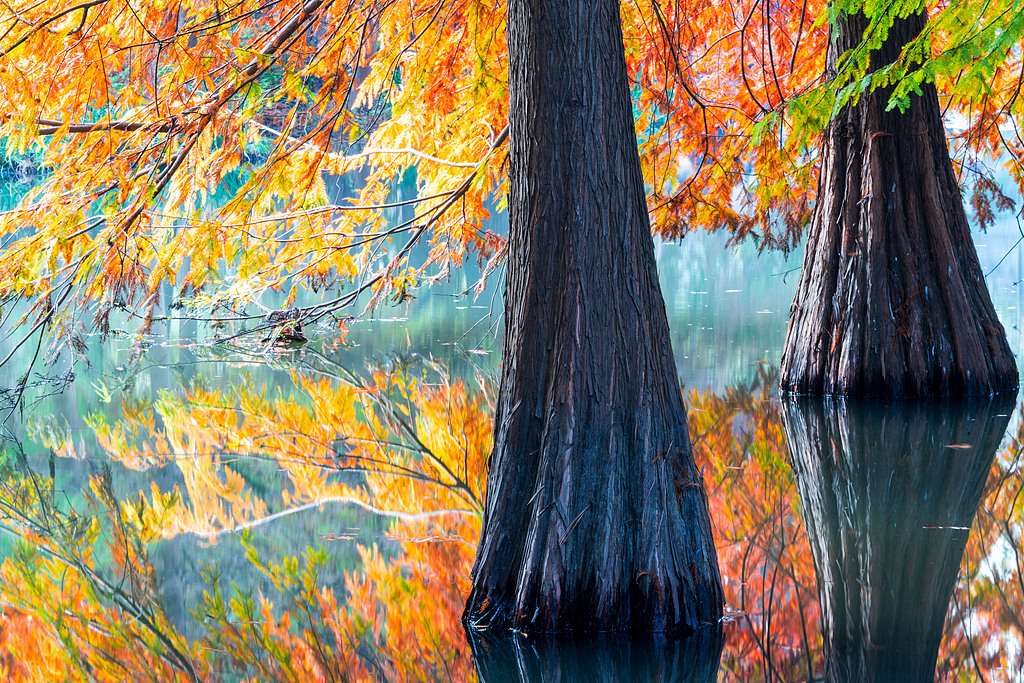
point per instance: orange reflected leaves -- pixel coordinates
(411, 449)
(985, 615)
(766, 563)
(411, 444)
(69, 611)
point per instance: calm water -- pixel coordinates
(875, 541)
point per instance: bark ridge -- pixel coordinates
(596, 517)
(892, 300)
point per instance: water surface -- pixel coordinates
(212, 511)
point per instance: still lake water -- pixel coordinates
(876, 541)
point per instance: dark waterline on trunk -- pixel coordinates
(503, 657)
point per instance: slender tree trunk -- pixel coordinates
(892, 300)
(596, 517)
(888, 493)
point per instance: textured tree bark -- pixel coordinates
(891, 300)
(513, 658)
(888, 493)
(596, 517)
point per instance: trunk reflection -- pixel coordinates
(889, 491)
(503, 656)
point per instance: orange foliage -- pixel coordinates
(766, 563)
(140, 115)
(419, 442)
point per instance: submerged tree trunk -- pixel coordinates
(892, 300)
(888, 493)
(596, 517)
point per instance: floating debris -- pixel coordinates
(287, 327)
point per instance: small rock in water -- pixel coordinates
(287, 327)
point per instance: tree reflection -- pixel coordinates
(888, 492)
(89, 590)
(517, 658)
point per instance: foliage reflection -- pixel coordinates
(84, 597)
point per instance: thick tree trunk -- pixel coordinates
(888, 493)
(892, 300)
(505, 657)
(596, 517)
